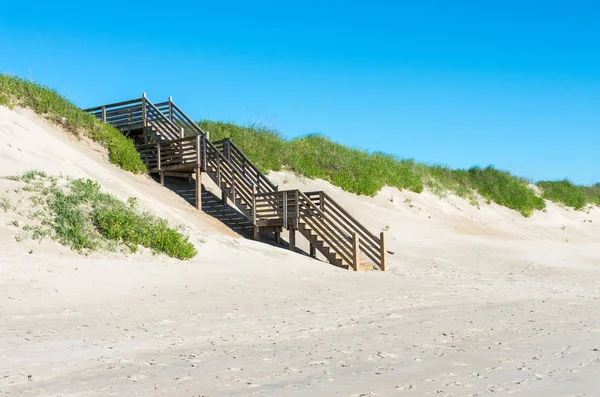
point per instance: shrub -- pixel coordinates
(79, 215)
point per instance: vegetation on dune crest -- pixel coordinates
(15, 91)
(361, 172)
(569, 194)
(79, 215)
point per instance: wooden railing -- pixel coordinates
(371, 246)
(140, 112)
(245, 166)
(179, 118)
(162, 125)
(121, 113)
(176, 153)
(343, 234)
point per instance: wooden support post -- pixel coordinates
(158, 159)
(198, 173)
(256, 233)
(171, 108)
(223, 197)
(198, 188)
(277, 238)
(292, 231)
(383, 265)
(355, 252)
(162, 178)
(104, 114)
(313, 251)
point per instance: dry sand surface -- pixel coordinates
(476, 301)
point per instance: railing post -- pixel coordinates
(218, 169)
(144, 109)
(104, 114)
(198, 175)
(355, 252)
(182, 133)
(383, 264)
(254, 205)
(321, 202)
(297, 217)
(204, 151)
(285, 211)
(171, 108)
(233, 184)
(227, 149)
(198, 152)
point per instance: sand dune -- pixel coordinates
(476, 300)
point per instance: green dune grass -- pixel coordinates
(362, 172)
(15, 91)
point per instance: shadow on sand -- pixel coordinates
(212, 205)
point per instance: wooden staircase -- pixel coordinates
(171, 144)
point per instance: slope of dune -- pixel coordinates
(476, 300)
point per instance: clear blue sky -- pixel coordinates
(515, 84)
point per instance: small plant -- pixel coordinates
(5, 204)
(14, 223)
(386, 228)
(563, 228)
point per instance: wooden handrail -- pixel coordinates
(113, 105)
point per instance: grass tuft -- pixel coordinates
(569, 194)
(44, 101)
(505, 189)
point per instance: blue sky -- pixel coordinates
(515, 84)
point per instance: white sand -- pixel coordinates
(476, 301)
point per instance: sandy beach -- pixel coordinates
(478, 300)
